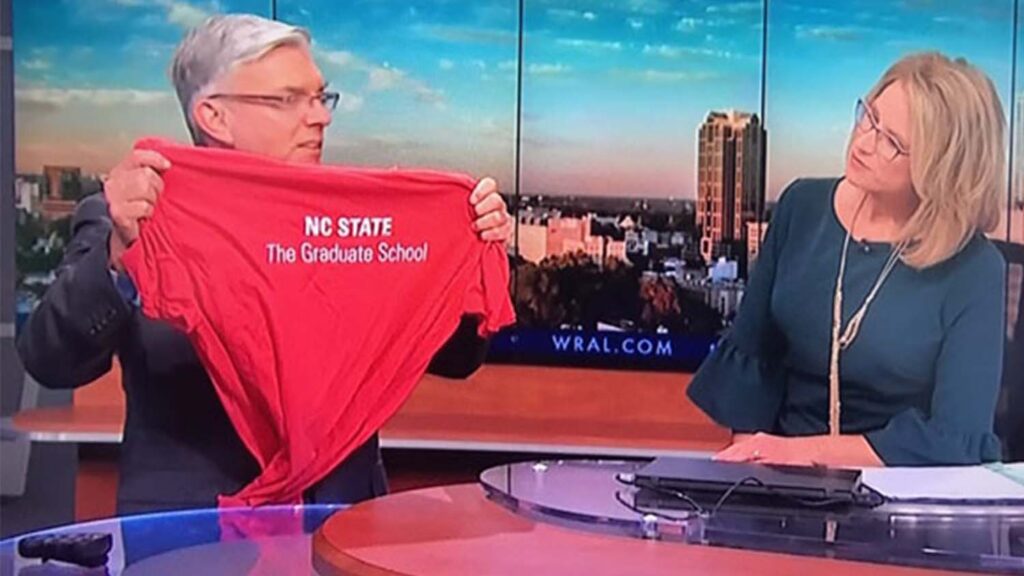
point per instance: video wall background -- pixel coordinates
(641, 143)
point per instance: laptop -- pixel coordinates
(797, 485)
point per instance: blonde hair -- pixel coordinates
(958, 157)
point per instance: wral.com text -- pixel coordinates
(374, 232)
(611, 345)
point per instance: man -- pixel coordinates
(244, 83)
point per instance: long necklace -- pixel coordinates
(842, 338)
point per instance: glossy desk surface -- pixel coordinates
(458, 530)
(271, 540)
(591, 495)
(552, 517)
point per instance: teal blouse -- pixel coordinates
(921, 379)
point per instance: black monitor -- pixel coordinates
(701, 479)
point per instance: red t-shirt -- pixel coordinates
(314, 295)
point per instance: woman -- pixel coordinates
(909, 372)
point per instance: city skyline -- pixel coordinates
(613, 95)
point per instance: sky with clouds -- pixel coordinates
(613, 91)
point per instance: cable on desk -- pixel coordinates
(634, 508)
(666, 491)
(722, 500)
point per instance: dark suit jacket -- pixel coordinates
(179, 448)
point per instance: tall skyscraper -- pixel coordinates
(730, 182)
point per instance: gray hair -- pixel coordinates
(216, 46)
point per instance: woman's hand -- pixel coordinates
(852, 451)
(770, 449)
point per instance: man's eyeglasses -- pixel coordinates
(886, 144)
(294, 101)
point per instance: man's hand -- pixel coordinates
(132, 189)
(493, 222)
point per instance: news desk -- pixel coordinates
(575, 517)
(553, 517)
